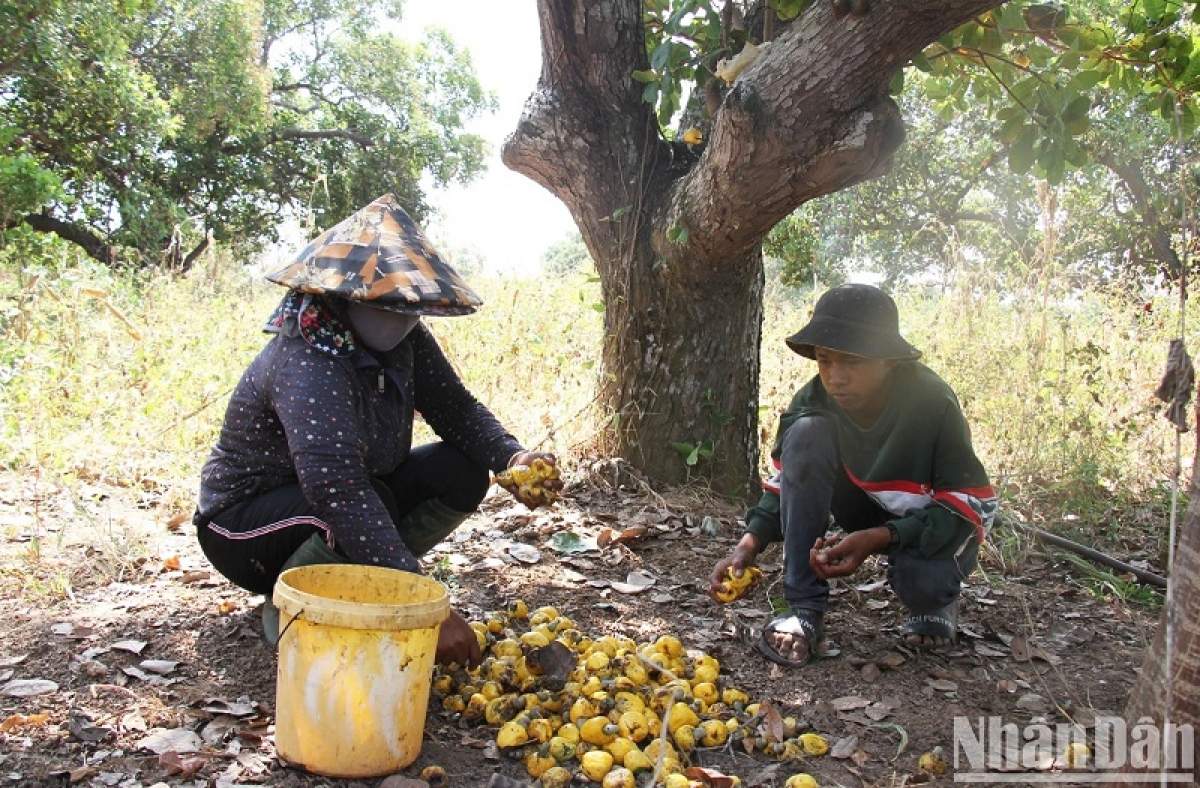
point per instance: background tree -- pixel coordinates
(806, 250)
(166, 124)
(952, 206)
(566, 256)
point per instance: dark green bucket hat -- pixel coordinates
(858, 319)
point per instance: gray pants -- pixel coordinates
(814, 486)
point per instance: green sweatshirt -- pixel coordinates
(916, 462)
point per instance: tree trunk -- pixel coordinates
(1149, 695)
(677, 238)
(684, 362)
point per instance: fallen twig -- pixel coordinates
(662, 733)
(903, 736)
(1045, 537)
(96, 689)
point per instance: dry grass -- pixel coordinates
(1059, 398)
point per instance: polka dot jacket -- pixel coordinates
(330, 415)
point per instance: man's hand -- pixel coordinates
(457, 643)
(740, 559)
(839, 556)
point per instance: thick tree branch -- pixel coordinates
(810, 117)
(92, 244)
(190, 259)
(1157, 235)
(294, 86)
(290, 107)
(586, 134)
(361, 140)
(986, 217)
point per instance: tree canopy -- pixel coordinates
(142, 129)
(993, 143)
(952, 205)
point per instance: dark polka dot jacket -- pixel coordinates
(330, 415)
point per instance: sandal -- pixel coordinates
(941, 623)
(808, 624)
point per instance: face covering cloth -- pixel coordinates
(380, 329)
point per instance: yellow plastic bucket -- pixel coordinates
(355, 666)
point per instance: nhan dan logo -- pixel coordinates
(991, 751)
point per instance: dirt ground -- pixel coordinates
(104, 593)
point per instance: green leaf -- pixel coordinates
(971, 34)
(1154, 10)
(1075, 117)
(1085, 80)
(1187, 121)
(689, 453)
(936, 89)
(1021, 154)
(645, 76)
(1166, 105)
(789, 9)
(1011, 129)
(1010, 17)
(1023, 91)
(991, 41)
(1040, 55)
(1075, 154)
(1056, 170)
(896, 87)
(570, 542)
(1086, 38)
(661, 56)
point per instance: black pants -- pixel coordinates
(249, 543)
(813, 486)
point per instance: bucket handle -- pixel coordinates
(288, 626)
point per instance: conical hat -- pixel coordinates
(381, 257)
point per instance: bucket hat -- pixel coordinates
(858, 319)
(380, 257)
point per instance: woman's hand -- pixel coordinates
(741, 559)
(532, 496)
(527, 458)
(457, 643)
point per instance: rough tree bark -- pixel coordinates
(1149, 695)
(677, 242)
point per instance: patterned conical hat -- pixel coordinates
(380, 256)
